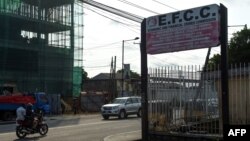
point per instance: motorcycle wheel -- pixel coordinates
(43, 129)
(19, 133)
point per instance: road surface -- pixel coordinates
(76, 128)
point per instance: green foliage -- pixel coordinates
(84, 75)
(214, 61)
(133, 74)
(238, 49)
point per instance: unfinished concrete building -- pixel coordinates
(41, 45)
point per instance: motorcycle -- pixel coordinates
(24, 128)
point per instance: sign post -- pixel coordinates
(224, 69)
(144, 82)
(196, 28)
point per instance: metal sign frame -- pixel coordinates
(224, 72)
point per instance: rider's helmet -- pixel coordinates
(29, 106)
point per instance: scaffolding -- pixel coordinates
(41, 45)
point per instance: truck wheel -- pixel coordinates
(7, 116)
(105, 116)
(122, 114)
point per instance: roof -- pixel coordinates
(101, 76)
(105, 76)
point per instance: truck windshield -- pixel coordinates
(119, 101)
(44, 99)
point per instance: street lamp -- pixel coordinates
(123, 41)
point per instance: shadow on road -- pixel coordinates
(30, 138)
(63, 121)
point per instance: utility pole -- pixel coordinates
(123, 41)
(115, 86)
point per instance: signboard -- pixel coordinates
(126, 71)
(183, 30)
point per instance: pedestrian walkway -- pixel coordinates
(127, 136)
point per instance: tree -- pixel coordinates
(133, 74)
(238, 49)
(213, 63)
(84, 75)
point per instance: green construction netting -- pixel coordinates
(77, 81)
(9, 4)
(76, 90)
(77, 75)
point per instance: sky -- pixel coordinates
(103, 37)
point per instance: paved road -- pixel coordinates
(77, 128)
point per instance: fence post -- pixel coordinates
(224, 67)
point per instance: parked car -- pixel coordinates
(122, 107)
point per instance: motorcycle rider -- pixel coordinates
(31, 122)
(21, 113)
(30, 116)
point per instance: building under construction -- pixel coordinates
(41, 45)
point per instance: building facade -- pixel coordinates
(41, 46)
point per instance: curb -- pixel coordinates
(126, 136)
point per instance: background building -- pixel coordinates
(41, 45)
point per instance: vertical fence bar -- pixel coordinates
(212, 76)
(240, 97)
(169, 97)
(150, 94)
(219, 98)
(165, 97)
(162, 100)
(245, 93)
(236, 97)
(232, 94)
(248, 92)
(156, 96)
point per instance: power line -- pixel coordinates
(98, 66)
(137, 6)
(102, 46)
(101, 12)
(123, 24)
(165, 4)
(127, 25)
(161, 60)
(113, 10)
